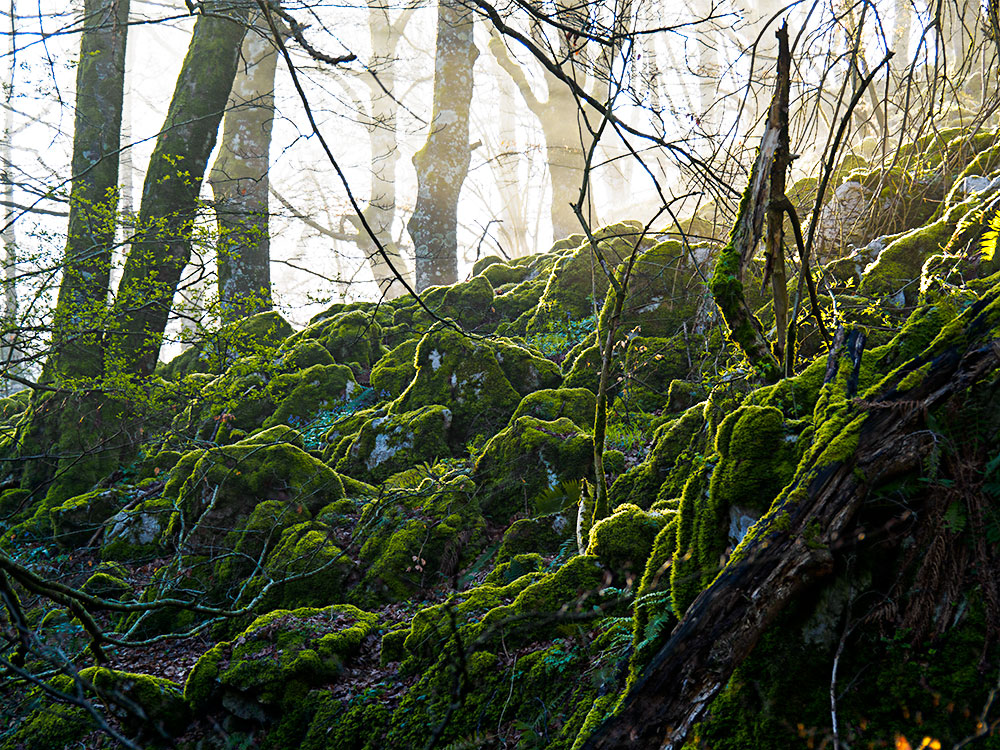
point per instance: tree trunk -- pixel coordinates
(380, 213)
(797, 539)
(443, 162)
(170, 192)
(81, 307)
(10, 351)
(239, 180)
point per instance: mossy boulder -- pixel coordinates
(577, 282)
(305, 569)
(895, 274)
(394, 371)
(470, 303)
(652, 364)
(528, 457)
(302, 354)
(421, 537)
(277, 659)
(542, 535)
(255, 335)
(215, 490)
(662, 474)
(389, 444)
(664, 291)
(299, 397)
(352, 337)
(576, 404)
(624, 540)
(162, 711)
(464, 375)
(76, 521)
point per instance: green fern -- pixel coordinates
(988, 247)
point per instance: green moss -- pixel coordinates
(301, 396)
(517, 566)
(77, 520)
(515, 303)
(275, 660)
(470, 303)
(161, 701)
(624, 540)
(106, 586)
(54, 727)
(577, 404)
(216, 351)
(352, 337)
(431, 628)
(216, 490)
(577, 279)
(306, 550)
(896, 271)
(421, 536)
(303, 354)
(394, 371)
(544, 535)
(527, 458)
(389, 444)
(464, 375)
(676, 445)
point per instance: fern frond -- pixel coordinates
(988, 247)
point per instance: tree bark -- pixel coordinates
(81, 305)
(239, 180)
(170, 192)
(380, 213)
(867, 445)
(443, 162)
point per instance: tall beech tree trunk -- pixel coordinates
(170, 192)
(443, 162)
(100, 79)
(239, 180)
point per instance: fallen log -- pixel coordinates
(860, 445)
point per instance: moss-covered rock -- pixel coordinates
(277, 659)
(394, 371)
(352, 337)
(299, 397)
(576, 404)
(624, 540)
(421, 537)
(258, 334)
(464, 375)
(216, 490)
(387, 445)
(577, 284)
(527, 458)
(76, 521)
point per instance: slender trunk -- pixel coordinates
(443, 162)
(81, 307)
(239, 180)
(10, 353)
(170, 192)
(380, 213)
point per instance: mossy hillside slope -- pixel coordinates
(409, 561)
